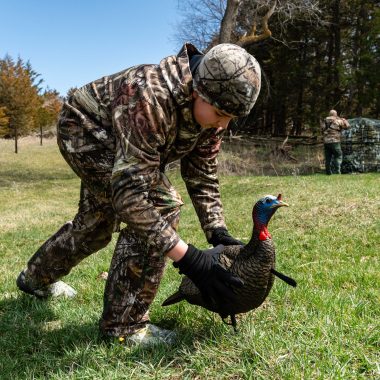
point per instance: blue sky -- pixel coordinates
(72, 42)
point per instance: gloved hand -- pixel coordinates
(221, 236)
(213, 281)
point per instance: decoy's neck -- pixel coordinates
(264, 234)
(259, 233)
(260, 230)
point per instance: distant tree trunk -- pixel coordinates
(280, 120)
(41, 135)
(337, 54)
(360, 31)
(351, 104)
(316, 90)
(328, 86)
(228, 21)
(298, 120)
(268, 127)
(300, 88)
(16, 139)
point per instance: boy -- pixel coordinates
(118, 133)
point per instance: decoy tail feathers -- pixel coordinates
(287, 279)
(174, 298)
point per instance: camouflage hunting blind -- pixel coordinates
(361, 146)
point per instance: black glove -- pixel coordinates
(213, 281)
(221, 236)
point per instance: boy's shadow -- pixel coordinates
(33, 338)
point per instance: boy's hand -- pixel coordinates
(214, 282)
(221, 236)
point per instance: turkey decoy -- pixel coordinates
(254, 263)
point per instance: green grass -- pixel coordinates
(326, 328)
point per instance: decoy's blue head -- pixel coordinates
(265, 208)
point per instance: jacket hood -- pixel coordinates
(176, 72)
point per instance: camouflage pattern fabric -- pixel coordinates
(132, 284)
(88, 232)
(333, 158)
(333, 128)
(332, 131)
(118, 134)
(152, 125)
(361, 146)
(229, 78)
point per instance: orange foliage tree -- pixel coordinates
(23, 108)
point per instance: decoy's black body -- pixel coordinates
(254, 263)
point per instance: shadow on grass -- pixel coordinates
(35, 344)
(33, 340)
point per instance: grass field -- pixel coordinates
(326, 328)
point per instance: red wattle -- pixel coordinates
(264, 235)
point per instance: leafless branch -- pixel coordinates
(206, 22)
(252, 36)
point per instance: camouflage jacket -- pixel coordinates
(144, 115)
(332, 129)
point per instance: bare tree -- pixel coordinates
(229, 20)
(207, 22)
(200, 22)
(257, 19)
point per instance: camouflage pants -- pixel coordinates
(333, 158)
(136, 269)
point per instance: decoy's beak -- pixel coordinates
(280, 202)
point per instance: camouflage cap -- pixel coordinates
(229, 78)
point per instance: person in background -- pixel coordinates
(331, 130)
(118, 134)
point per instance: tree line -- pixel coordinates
(315, 56)
(24, 107)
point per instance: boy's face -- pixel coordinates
(208, 116)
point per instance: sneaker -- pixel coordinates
(56, 289)
(150, 335)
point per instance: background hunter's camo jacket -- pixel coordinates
(143, 117)
(332, 129)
